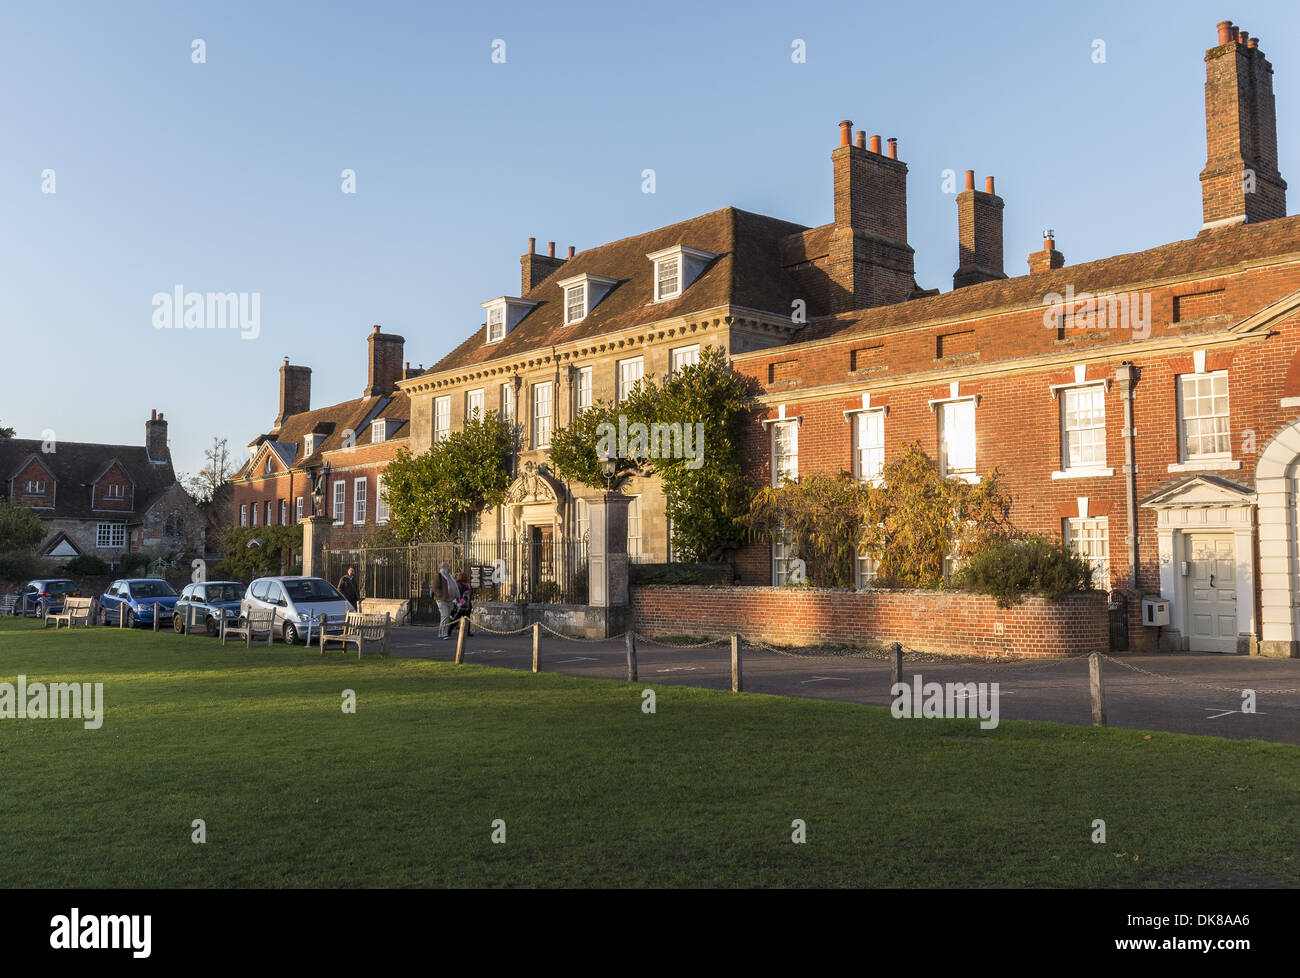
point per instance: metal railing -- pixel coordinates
(520, 570)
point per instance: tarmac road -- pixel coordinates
(1034, 690)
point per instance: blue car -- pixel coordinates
(138, 597)
(211, 602)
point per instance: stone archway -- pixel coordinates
(1275, 484)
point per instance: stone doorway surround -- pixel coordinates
(1275, 481)
(1204, 504)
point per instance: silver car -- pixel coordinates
(301, 606)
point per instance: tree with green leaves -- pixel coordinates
(438, 493)
(6, 432)
(257, 551)
(20, 528)
(707, 496)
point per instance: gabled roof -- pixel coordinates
(331, 423)
(1220, 250)
(748, 272)
(104, 469)
(59, 539)
(76, 466)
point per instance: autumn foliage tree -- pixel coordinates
(909, 521)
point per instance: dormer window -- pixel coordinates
(309, 443)
(496, 324)
(582, 293)
(503, 315)
(575, 303)
(378, 432)
(676, 268)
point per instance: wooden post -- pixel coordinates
(1097, 689)
(736, 684)
(537, 646)
(121, 616)
(155, 616)
(631, 657)
(460, 641)
(896, 665)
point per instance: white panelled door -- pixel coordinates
(1211, 593)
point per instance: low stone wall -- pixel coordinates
(399, 608)
(945, 622)
(580, 620)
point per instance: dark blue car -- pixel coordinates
(202, 606)
(138, 597)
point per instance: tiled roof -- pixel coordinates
(747, 272)
(332, 422)
(76, 466)
(1221, 249)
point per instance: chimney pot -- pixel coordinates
(893, 148)
(875, 144)
(1225, 31)
(1253, 44)
(570, 251)
(861, 140)
(550, 249)
(845, 126)
(153, 415)
(376, 327)
(532, 246)
(988, 184)
(1236, 34)
(970, 179)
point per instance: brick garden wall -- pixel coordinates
(944, 622)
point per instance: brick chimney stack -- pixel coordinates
(386, 351)
(295, 392)
(1048, 258)
(536, 268)
(870, 262)
(155, 438)
(979, 234)
(1241, 183)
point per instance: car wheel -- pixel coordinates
(289, 633)
(130, 618)
(212, 627)
(178, 624)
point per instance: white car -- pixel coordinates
(302, 606)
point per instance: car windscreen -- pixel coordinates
(152, 589)
(311, 589)
(225, 592)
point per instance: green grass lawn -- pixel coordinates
(594, 792)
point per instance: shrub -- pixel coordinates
(19, 566)
(680, 573)
(129, 564)
(87, 565)
(1010, 568)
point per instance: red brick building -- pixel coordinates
(1192, 501)
(341, 450)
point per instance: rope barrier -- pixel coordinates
(1188, 682)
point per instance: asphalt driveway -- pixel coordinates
(1190, 693)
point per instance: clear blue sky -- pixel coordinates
(225, 176)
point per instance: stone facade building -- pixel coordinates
(103, 500)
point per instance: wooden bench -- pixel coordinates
(259, 620)
(358, 629)
(75, 611)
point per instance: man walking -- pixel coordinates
(348, 587)
(446, 592)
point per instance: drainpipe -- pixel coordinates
(1127, 375)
